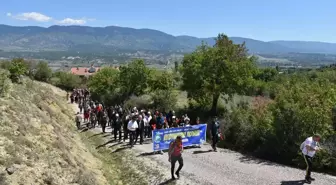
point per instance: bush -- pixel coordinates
(4, 82)
(17, 68)
(138, 101)
(164, 100)
(42, 72)
(275, 129)
(66, 81)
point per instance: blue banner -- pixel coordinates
(191, 135)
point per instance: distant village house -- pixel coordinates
(86, 71)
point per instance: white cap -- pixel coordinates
(117, 115)
(174, 117)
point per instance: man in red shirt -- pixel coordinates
(175, 154)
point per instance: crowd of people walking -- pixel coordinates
(135, 124)
(138, 124)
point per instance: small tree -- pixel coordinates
(66, 81)
(42, 72)
(161, 80)
(17, 68)
(104, 84)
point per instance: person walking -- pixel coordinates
(215, 133)
(103, 120)
(132, 126)
(78, 120)
(140, 129)
(117, 127)
(309, 148)
(175, 154)
(147, 119)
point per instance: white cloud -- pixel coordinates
(33, 16)
(72, 21)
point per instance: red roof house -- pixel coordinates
(84, 71)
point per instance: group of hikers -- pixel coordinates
(139, 123)
(135, 124)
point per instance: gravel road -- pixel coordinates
(225, 167)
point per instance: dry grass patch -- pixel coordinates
(37, 133)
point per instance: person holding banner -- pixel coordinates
(175, 154)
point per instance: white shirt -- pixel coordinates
(132, 125)
(310, 142)
(146, 121)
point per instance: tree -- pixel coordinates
(176, 66)
(209, 72)
(17, 68)
(161, 80)
(104, 84)
(134, 78)
(66, 81)
(42, 72)
(266, 74)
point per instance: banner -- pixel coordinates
(191, 135)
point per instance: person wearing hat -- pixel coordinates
(309, 148)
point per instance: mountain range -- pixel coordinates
(78, 38)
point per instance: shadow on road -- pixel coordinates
(166, 182)
(102, 145)
(298, 182)
(84, 129)
(115, 144)
(124, 147)
(253, 160)
(94, 135)
(201, 151)
(147, 154)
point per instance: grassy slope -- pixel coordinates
(39, 139)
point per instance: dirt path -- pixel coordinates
(202, 166)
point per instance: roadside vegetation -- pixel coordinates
(263, 113)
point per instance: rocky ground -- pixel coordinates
(203, 166)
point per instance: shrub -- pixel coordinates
(17, 68)
(164, 99)
(43, 72)
(4, 82)
(66, 81)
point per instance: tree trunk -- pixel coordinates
(215, 98)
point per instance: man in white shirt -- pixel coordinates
(132, 126)
(309, 148)
(146, 120)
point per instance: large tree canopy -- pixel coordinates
(224, 68)
(134, 78)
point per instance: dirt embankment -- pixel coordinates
(38, 140)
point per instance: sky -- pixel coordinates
(266, 20)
